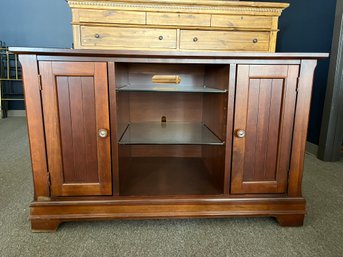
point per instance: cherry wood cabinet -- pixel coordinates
(131, 134)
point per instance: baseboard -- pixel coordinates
(16, 113)
(311, 148)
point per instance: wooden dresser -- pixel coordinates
(176, 25)
(137, 134)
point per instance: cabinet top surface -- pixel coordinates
(163, 54)
(176, 2)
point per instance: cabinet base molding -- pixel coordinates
(44, 225)
(296, 220)
(46, 216)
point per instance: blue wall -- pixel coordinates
(37, 23)
(306, 26)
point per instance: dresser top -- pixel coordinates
(187, 2)
(164, 54)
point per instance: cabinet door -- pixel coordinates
(263, 126)
(76, 120)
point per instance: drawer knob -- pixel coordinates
(195, 39)
(97, 36)
(103, 133)
(160, 37)
(240, 133)
(255, 40)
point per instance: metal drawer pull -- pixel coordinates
(160, 37)
(195, 39)
(240, 133)
(103, 133)
(97, 36)
(255, 40)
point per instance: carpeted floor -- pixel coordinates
(322, 234)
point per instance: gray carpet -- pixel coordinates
(322, 234)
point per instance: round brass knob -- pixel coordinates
(240, 133)
(97, 36)
(103, 133)
(255, 40)
(160, 37)
(195, 39)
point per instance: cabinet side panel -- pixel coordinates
(300, 126)
(35, 126)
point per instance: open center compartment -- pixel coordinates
(171, 122)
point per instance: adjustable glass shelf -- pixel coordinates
(170, 88)
(170, 133)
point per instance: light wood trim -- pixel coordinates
(272, 41)
(110, 16)
(34, 115)
(179, 19)
(116, 37)
(188, 6)
(242, 21)
(302, 112)
(76, 36)
(170, 26)
(224, 40)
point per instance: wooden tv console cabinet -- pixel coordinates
(132, 134)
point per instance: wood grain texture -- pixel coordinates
(166, 56)
(302, 111)
(229, 127)
(224, 41)
(75, 104)
(109, 16)
(166, 151)
(215, 104)
(241, 21)
(273, 106)
(114, 121)
(179, 15)
(205, 207)
(76, 107)
(124, 38)
(264, 106)
(35, 126)
(176, 107)
(179, 19)
(167, 176)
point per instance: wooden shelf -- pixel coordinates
(169, 133)
(166, 176)
(170, 88)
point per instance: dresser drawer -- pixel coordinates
(224, 40)
(178, 19)
(123, 38)
(239, 21)
(109, 16)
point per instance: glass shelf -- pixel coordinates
(170, 133)
(170, 88)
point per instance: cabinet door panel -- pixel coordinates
(265, 101)
(75, 105)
